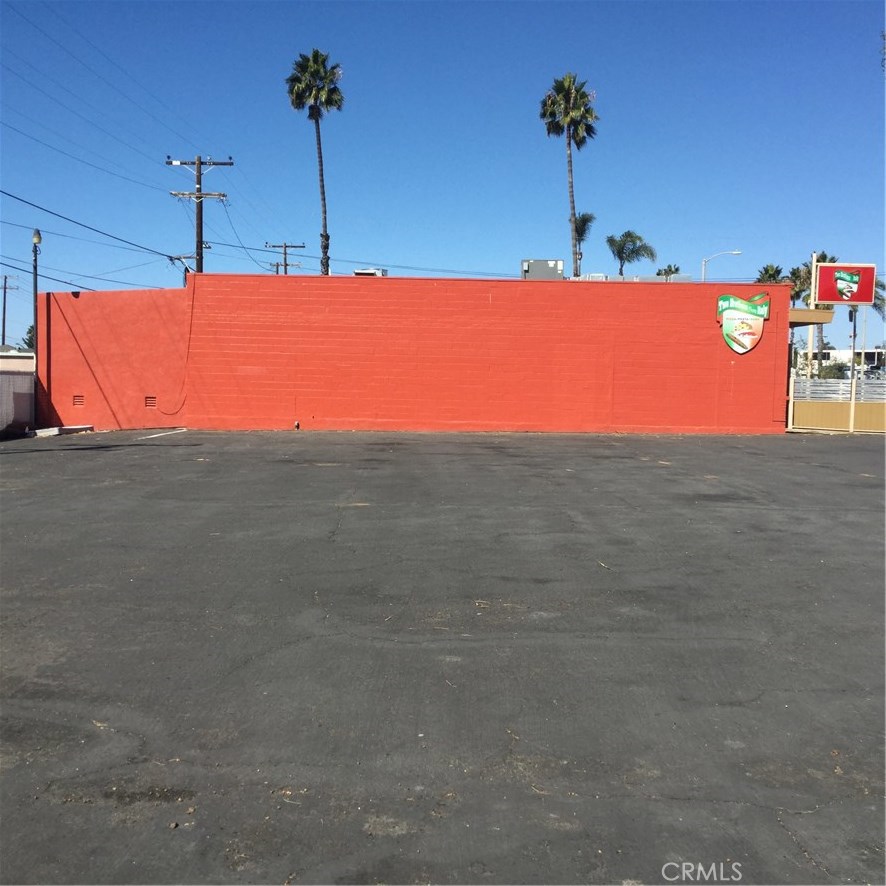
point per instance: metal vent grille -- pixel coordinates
(150, 402)
(79, 400)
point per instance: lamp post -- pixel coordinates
(704, 261)
(36, 240)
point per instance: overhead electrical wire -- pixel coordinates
(231, 223)
(127, 73)
(80, 160)
(88, 227)
(76, 286)
(91, 121)
(148, 92)
(89, 276)
(67, 107)
(129, 98)
(240, 246)
(72, 237)
(368, 263)
(66, 136)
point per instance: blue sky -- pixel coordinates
(723, 125)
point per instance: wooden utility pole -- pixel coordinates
(6, 287)
(198, 196)
(284, 247)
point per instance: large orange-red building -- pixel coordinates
(367, 353)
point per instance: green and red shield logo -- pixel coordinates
(840, 284)
(742, 320)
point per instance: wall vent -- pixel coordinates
(150, 402)
(79, 400)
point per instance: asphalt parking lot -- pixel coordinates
(422, 658)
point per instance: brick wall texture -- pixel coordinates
(356, 353)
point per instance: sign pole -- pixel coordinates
(864, 335)
(811, 325)
(853, 383)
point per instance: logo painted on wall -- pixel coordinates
(741, 320)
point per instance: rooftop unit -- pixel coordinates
(542, 269)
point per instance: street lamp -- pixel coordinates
(704, 261)
(36, 239)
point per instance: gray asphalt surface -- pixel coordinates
(394, 658)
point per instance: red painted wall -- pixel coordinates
(265, 352)
(111, 350)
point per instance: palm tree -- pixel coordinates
(313, 84)
(27, 342)
(668, 272)
(583, 222)
(801, 290)
(775, 274)
(567, 109)
(770, 274)
(879, 306)
(630, 247)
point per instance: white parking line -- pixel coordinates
(164, 434)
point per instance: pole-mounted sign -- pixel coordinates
(844, 284)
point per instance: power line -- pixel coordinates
(124, 71)
(69, 109)
(382, 264)
(93, 276)
(88, 227)
(80, 160)
(231, 223)
(45, 277)
(91, 120)
(104, 80)
(129, 79)
(72, 237)
(84, 276)
(248, 249)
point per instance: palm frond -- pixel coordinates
(313, 84)
(583, 223)
(630, 247)
(568, 106)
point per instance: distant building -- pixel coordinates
(873, 358)
(16, 391)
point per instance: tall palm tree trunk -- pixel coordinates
(575, 268)
(324, 236)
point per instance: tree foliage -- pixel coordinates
(668, 272)
(567, 109)
(630, 247)
(313, 85)
(770, 274)
(583, 223)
